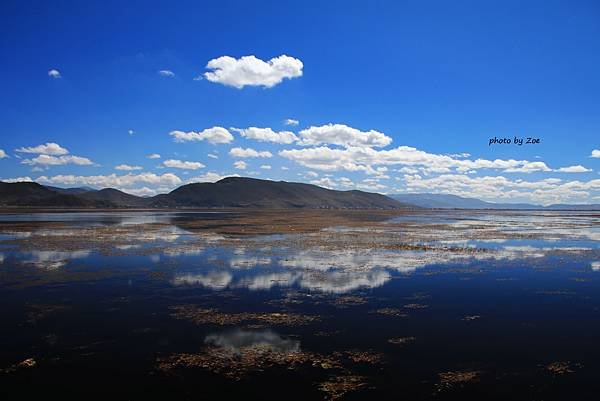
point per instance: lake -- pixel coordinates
(274, 306)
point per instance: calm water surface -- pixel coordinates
(456, 305)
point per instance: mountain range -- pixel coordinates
(242, 192)
(446, 201)
(231, 192)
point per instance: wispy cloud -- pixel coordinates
(214, 135)
(185, 165)
(127, 167)
(573, 169)
(291, 121)
(54, 73)
(240, 165)
(166, 73)
(249, 152)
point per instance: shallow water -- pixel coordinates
(455, 305)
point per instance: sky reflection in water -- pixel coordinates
(482, 286)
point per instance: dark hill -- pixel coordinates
(115, 197)
(72, 191)
(31, 194)
(251, 192)
(229, 192)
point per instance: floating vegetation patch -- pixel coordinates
(346, 301)
(391, 312)
(339, 386)
(24, 364)
(452, 379)
(366, 357)
(561, 368)
(201, 316)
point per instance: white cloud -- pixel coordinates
(265, 167)
(3, 154)
(214, 135)
(49, 148)
(167, 180)
(53, 73)
(325, 182)
(252, 71)
(595, 153)
(210, 177)
(127, 167)
(166, 73)
(291, 121)
(145, 191)
(494, 188)
(249, 152)
(212, 156)
(17, 179)
(153, 156)
(48, 160)
(240, 165)
(573, 169)
(343, 135)
(131, 132)
(183, 164)
(267, 135)
(528, 167)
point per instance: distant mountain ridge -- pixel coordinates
(232, 192)
(447, 201)
(241, 192)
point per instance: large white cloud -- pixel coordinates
(183, 164)
(214, 135)
(249, 152)
(595, 153)
(494, 188)
(48, 148)
(252, 71)
(366, 159)
(343, 135)
(267, 135)
(52, 154)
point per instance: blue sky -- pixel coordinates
(388, 96)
